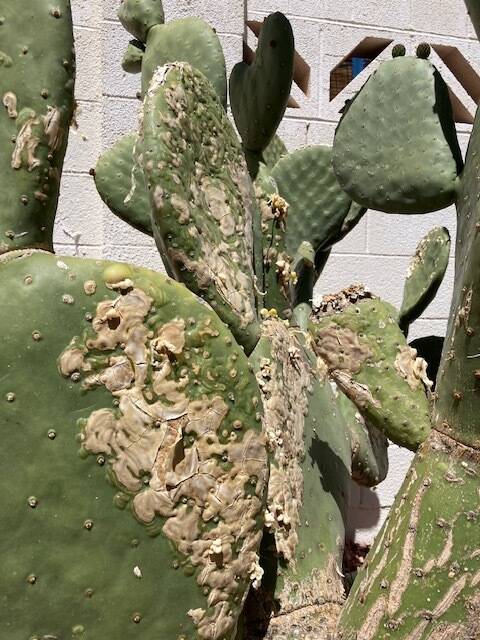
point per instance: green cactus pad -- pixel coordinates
(133, 56)
(396, 154)
(133, 463)
(37, 72)
(139, 16)
(259, 92)
(425, 275)
(308, 489)
(367, 355)
(274, 152)
(457, 410)
(121, 184)
(189, 40)
(317, 204)
(369, 446)
(202, 198)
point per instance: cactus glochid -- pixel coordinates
(185, 445)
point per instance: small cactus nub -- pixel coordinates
(423, 50)
(398, 51)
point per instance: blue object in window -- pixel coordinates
(358, 65)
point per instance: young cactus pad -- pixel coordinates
(133, 57)
(37, 71)
(395, 154)
(120, 181)
(367, 356)
(139, 16)
(202, 197)
(189, 40)
(136, 491)
(318, 205)
(425, 275)
(259, 92)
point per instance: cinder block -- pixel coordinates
(355, 241)
(400, 460)
(120, 116)
(116, 231)
(84, 143)
(115, 81)
(449, 17)
(109, 9)
(431, 327)
(383, 275)
(86, 13)
(365, 12)
(294, 133)
(233, 50)
(139, 256)
(321, 132)
(270, 6)
(79, 215)
(88, 84)
(78, 250)
(226, 16)
(393, 234)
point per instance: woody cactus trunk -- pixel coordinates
(184, 445)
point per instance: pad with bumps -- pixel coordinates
(367, 356)
(202, 198)
(139, 16)
(133, 463)
(317, 204)
(37, 71)
(259, 92)
(394, 153)
(121, 184)
(425, 275)
(189, 40)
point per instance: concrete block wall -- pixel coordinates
(376, 253)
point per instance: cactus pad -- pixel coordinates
(37, 64)
(317, 204)
(137, 490)
(133, 56)
(396, 154)
(308, 487)
(139, 16)
(367, 355)
(121, 184)
(202, 198)
(189, 40)
(425, 275)
(259, 92)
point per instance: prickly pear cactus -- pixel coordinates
(36, 90)
(174, 452)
